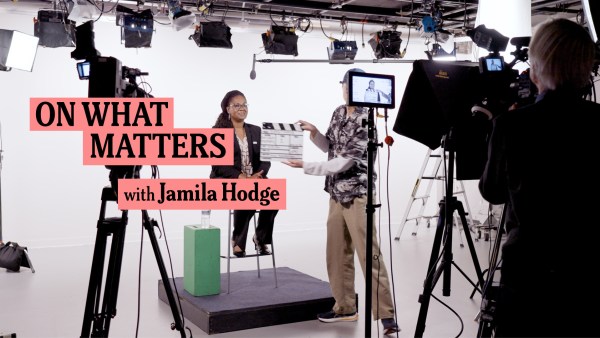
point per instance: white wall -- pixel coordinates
(49, 198)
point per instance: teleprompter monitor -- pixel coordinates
(436, 106)
(371, 90)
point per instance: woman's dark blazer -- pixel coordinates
(233, 171)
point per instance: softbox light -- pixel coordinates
(17, 50)
(54, 29)
(212, 34)
(342, 50)
(386, 44)
(281, 40)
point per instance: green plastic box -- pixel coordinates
(201, 260)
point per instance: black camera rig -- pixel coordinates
(502, 86)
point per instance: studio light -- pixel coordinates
(83, 11)
(136, 27)
(386, 44)
(440, 35)
(342, 50)
(281, 40)
(212, 34)
(439, 54)
(429, 24)
(17, 50)
(54, 29)
(180, 18)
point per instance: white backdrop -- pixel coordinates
(50, 199)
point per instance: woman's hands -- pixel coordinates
(256, 175)
(294, 163)
(308, 127)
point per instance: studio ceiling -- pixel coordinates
(455, 15)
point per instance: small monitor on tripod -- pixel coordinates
(371, 90)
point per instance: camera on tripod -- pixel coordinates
(109, 78)
(502, 86)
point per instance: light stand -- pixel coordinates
(1, 188)
(371, 150)
(99, 312)
(26, 261)
(1, 159)
(444, 230)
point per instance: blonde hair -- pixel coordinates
(562, 55)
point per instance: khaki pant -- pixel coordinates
(346, 232)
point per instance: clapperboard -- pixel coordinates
(280, 142)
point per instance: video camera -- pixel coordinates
(501, 85)
(462, 98)
(108, 78)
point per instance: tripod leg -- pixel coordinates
(113, 276)
(95, 282)
(463, 218)
(433, 274)
(30, 265)
(177, 316)
(101, 320)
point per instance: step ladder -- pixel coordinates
(436, 175)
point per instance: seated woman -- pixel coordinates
(246, 165)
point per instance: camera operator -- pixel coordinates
(537, 166)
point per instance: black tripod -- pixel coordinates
(444, 231)
(97, 317)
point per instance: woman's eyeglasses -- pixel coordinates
(238, 106)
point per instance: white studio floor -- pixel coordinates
(51, 301)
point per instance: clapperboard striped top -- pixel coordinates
(281, 126)
(281, 141)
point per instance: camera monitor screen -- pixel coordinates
(491, 64)
(83, 69)
(371, 90)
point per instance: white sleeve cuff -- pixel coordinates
(333, 166)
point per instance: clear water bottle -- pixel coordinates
(205, 219)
